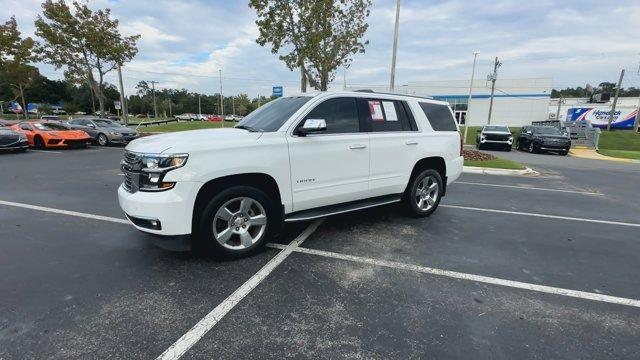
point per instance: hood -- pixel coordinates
(193, 140)
(7, 131)
(497, 132)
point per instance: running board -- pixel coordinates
(342, 208)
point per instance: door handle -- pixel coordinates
(411, 142)
(357, 146)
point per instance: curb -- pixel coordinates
(491, 171)
(593, 154)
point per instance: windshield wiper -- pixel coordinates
(248, 128)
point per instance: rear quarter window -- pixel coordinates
(439, 117)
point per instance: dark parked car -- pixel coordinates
(104, 131)
(543, 138)
(12, 140)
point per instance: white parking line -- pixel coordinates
(471, 277)
(530, 188)
(189, 339)
(64, 212)
(540, 215)
(46, 151)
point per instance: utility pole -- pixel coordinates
(199, 108)
(233, 105)
(221, 98)
(123, 98)
(153, 94)
(395, 47)
(493, 77)
(615, 101)
(559, 105)
(170, 112)
(466, 118)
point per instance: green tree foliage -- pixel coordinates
(86, 42)
(16, 56)
(606, 87)
(315, 36)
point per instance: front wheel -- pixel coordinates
(235, 222)
(102, 140)
(532, 148)
(423, 195)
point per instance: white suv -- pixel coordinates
(224, 191)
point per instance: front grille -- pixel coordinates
(8, 140)
(496, 137)
(130, 166)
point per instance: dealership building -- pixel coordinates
(516, 102)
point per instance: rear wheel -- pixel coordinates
(235, 222)
(422, 197)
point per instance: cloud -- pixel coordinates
(185, 43)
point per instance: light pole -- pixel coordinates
(466, 118)
(493, 77)
(395, 48)
(221, 99)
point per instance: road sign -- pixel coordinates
(116, 104)
(277, 91)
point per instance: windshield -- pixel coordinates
(547, 130)
(496, 128)
(271, 116)
(50, 126)
(106, 123)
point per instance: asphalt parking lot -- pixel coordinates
(509, 267)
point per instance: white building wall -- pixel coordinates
(516, 102)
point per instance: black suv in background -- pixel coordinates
(543, 138)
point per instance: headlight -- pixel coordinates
(156, 166)
(22, 137)
(114, 133)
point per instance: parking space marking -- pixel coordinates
(65, 212)
(470, 277)
(530, 188)
(46, 151)
(182, 345)
(607, 222)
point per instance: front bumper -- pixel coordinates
(18, 145)
(67, 143)
(173, 209)
(121, 139)
(496, 142)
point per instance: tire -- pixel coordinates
(221, 232)
(102, 140)
(478, 146)
(532, 148)
(508, 148)
(564, 152)
(420, 199)
(38, 142)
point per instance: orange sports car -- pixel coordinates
(52, 135)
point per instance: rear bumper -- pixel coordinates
(454, 169)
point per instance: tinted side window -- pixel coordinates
(25, 127)
(385, 115)
(340, 114)
(439, 117)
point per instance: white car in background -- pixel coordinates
(224, 191)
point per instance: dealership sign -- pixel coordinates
(277, 91)
(622, 118)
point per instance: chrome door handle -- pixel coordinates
(411, 142)
(357, 146)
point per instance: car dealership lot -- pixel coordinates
(508, 267)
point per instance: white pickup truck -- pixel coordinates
(225, 191)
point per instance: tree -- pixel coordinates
(317, 36)
(16, 55)
(86, 42)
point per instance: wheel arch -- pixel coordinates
(260, 181)
(436, 163)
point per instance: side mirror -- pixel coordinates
(91, 126)
(529, 132)
(312, 126)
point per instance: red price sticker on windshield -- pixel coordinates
(376, 110)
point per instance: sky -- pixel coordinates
(185, 43)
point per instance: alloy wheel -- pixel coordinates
(427, 193)
(239, 223)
